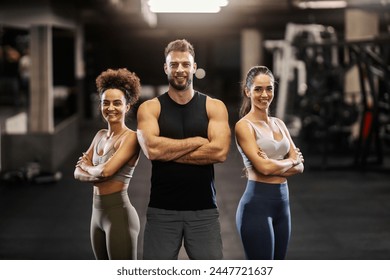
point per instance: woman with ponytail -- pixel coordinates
(270, 157)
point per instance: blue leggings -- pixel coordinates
(263, 220)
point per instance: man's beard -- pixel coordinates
(179, 86)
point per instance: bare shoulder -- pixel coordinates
(277, 120)
(150, 103)
(242, 125)
(98, 136)
(214, 102)
(215, 106)
(129, 133)
(280, 122)
(150, 106)
(100, 133)
(130, 136)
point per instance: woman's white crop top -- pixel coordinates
(124, 174)
(272, 148)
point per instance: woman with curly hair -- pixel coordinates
(109, 164)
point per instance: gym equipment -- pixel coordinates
(372, 58)
(310, 66)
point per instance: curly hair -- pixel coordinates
(122, 79)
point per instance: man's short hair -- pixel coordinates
(181, 45)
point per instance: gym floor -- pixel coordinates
(337, 213)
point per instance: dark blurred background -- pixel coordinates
(331, 61)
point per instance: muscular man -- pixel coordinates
(183, 132)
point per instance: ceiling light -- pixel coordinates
(321, 4)
(186, 6)
(149, 17)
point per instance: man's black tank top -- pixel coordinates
(177, 186)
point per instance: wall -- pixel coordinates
(50, 150)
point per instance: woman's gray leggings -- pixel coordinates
(114, 227)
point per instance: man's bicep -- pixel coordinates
(147, 118)
(148, 130)
(218, 129)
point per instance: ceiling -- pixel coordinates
(269, 16)
(126, 17)
(118, 35)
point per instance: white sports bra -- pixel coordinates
(273, 149)
(124, 174)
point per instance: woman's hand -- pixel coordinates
(84, 161)
(261, 154)
(297, 157)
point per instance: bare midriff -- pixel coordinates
(108, 187)
(253, 175)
